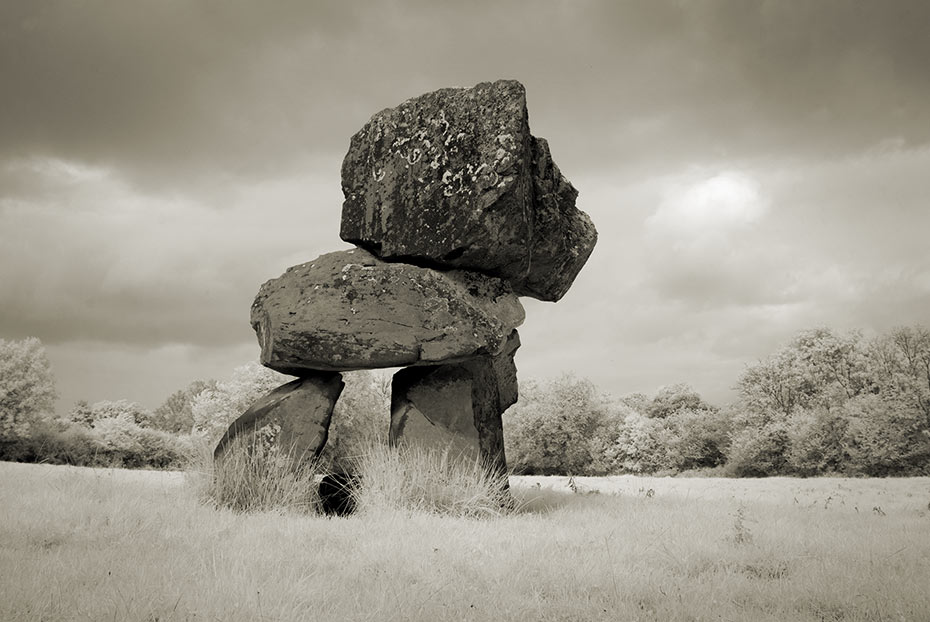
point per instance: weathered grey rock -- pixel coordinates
(294, 416)
(349, 310)
(453, 178)
(563, 236)
(457, 407)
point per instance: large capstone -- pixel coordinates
(294, 417)
(349, 310)
(454, 179)
(457, 408)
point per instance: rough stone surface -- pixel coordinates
(454, 179)
(457, 407)
(349, 310)
(294, 416)
(563, 236)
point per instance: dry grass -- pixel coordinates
(411, 479)
(256, 475)
(85, 544)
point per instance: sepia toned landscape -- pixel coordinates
(412, 310)
(91, 544)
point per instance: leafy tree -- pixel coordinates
(699, 439)
(175, 414)
(773, 388)
(900, 361)
(673, 398)
(685, 439)
(361, 417)
(213, 410)
(818, 368)
(830, 402)
(640, 445)
(113, 409)
(759, 452)
(835, 363)
(27, 386)
(886, 436)
(638, 402)
(81, 414)
(119, 432)
(564, 427)
(816, 442)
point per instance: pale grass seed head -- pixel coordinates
(256, 474)
(413, 479)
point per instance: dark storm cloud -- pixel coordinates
(163, 87)
(736, 79)
(841, 74)
(175, 90)
(89, 259)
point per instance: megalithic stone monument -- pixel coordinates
(456, 210)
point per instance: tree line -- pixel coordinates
(825, 403)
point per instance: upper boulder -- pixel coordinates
(349, 310)
(454, 179)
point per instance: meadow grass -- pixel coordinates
(108, 544)
(255, 475)
(413, 479)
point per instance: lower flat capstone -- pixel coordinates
(349, 310)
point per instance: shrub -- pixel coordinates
(73, 445)
(759, 452)
(699, 439)
(112, 409)
(412, 479)
(117, 442)
(561, 428)
(673, 398)
(163, 450)
(886, 437)
(640, 445)
(119, 436)
(361, 417)
(816, 442)
(214, 409)
(27, 387)
(681, 440)
(175, 413)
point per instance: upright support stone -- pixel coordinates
(457, 407)
(295, 416)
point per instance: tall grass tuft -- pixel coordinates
(413, 479)
(257, 475)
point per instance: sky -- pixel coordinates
(754, 169)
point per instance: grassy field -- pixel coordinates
(87, 544)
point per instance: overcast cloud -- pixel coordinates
(753, 168)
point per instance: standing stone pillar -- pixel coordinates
(457, 407)
(296, 415)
